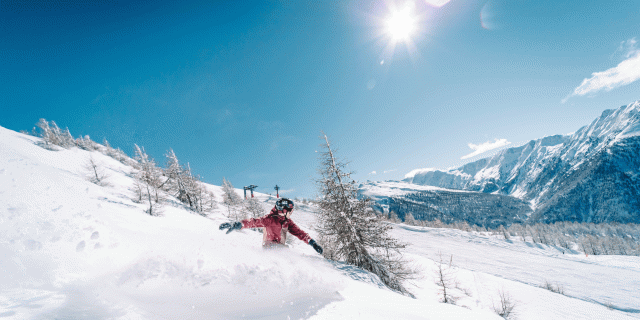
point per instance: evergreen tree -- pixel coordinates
(352, 232)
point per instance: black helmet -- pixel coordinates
(284, 204)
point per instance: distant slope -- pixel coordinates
(447, 205)
(592, 175)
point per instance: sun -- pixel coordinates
(401, 25)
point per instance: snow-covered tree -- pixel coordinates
(148, 181)
(208, 202)
(66, 139)
(86, 143)
(119, 155)
(186, 187)
(56, 134)
(351, 231)
(180, 181)
(393, 217)
(504, 232)
(409, 219)
(232, 201)
(436, 223)
(50, 134)
(254, 208)
(45, 132)
(109, 151)
(201, 200)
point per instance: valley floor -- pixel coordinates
(595, 287)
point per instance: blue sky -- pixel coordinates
(243, 89)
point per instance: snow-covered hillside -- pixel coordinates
(428, 203)
(75, 250)
(592, 175)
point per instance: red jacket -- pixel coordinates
(276, 227)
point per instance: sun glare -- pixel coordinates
(401, 25)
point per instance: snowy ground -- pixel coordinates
(74, 250)
(595, 287)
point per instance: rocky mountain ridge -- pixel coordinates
(592, 175)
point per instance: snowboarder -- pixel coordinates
(275, 224)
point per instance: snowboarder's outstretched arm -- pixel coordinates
(296, 231)
(248, 223)
(254, 223)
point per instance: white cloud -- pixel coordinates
(624, 73)
(373, 172)
(387, 171)
(484, 147)
(627, 48)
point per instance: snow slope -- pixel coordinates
(74, 250)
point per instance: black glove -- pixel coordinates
(316, 246)
(231, 227)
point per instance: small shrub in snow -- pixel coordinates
(505, 305)
(95, 173)
(553, 288)
(445, 278)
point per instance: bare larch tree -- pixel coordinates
(350, 229)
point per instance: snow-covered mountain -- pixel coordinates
(592, 175)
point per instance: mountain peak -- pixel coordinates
(589, 175)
